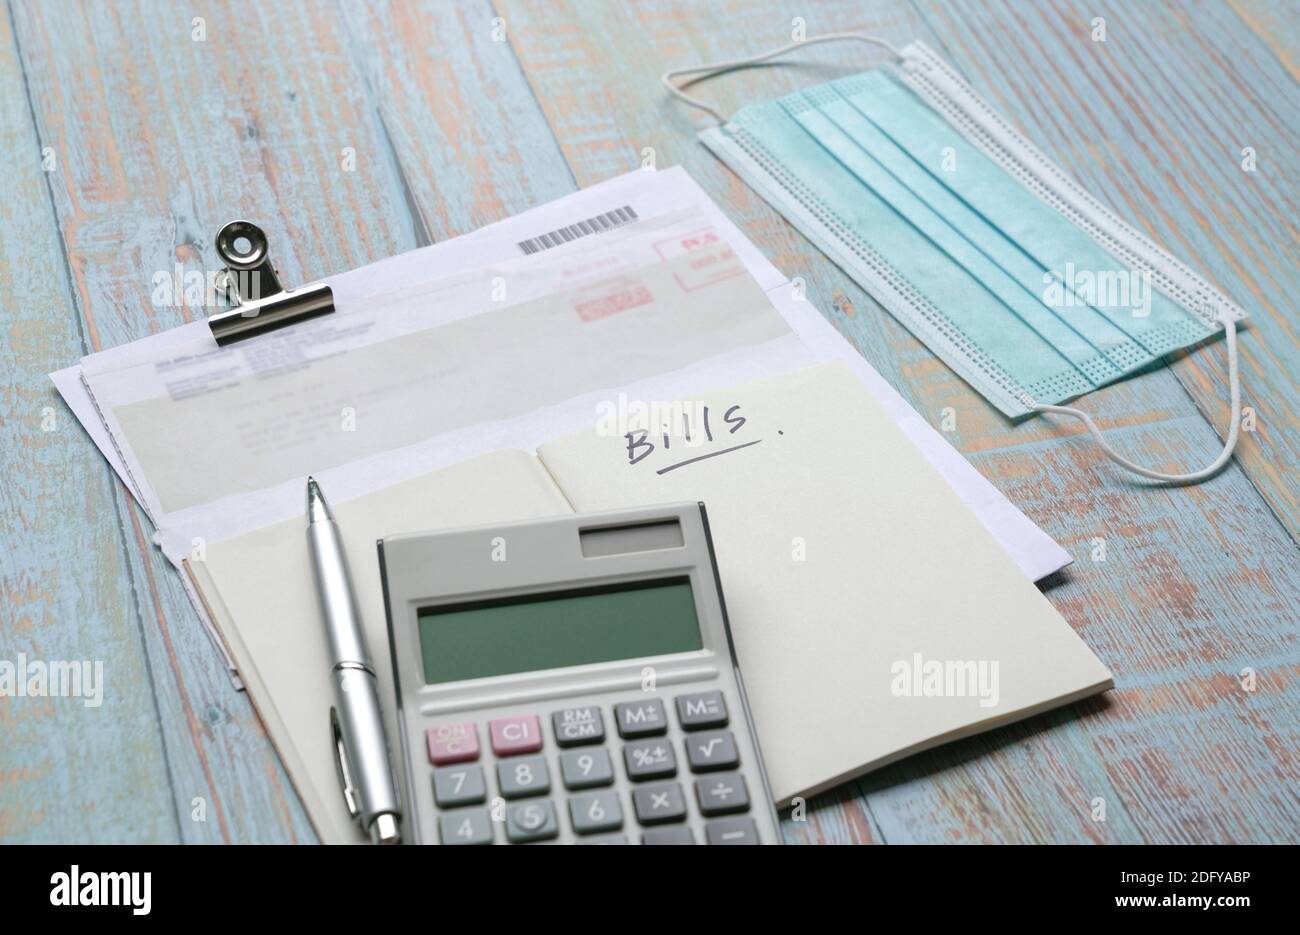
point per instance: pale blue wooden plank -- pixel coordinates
(68, 772)
(164, 139)
(471, 143)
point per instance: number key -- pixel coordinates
(465, 826)
(531, 821)
(521, 776)
(459, 785)
(598, 811)
(586, 769)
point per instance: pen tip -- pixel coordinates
(317, 508)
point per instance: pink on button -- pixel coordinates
(452, 743)
(519, 734)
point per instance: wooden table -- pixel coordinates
(131, 132)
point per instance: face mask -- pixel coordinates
(1026, 286)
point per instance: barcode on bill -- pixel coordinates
(601, 222)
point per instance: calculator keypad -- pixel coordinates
(641, 718)
(711, 750)
(649, 759)
(586, 769)
(452, 743)
(465, 826)
(513, 735)
(531, 821)
(459, 785)
(679, 834)
(659, 803)
(586, 792)
(523, 776)
(721, 794)
(701, 710)
(731, 831)
(597, 811)
(575, 726)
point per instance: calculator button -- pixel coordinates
(713, 750)
(574, 726)
(531, 821)
(523, 776)
(661, 802)
(452, 743)
(459, 785)
(676, 835)
(519, 734)
(586, 769)
(731, 831)
(604, 839)
(650, 759)
(641, 718)
(719, 795)
(701, 710)
(597, 811)
(466, 826)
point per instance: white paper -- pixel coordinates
(650, 195)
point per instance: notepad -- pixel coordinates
(873, 613)
(845, 559)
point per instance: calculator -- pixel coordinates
(571, 680)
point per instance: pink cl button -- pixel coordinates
(452, 743)
(519, 734)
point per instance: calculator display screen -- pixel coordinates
(557, 629)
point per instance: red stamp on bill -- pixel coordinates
(612, 304)
(711, 259)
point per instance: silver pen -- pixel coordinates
(356, 720)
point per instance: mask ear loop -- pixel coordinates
(719, 68)
(1234, 427)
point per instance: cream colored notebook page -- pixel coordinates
(259, 589)
(849, 569)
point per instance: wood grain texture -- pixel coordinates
(1198, 584)
(66, 770)
(160, 139)
(256, 120)
(1154, 121)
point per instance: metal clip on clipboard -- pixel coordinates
(261, 303)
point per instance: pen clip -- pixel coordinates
(341, 764)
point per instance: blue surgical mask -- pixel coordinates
(1026, 286)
